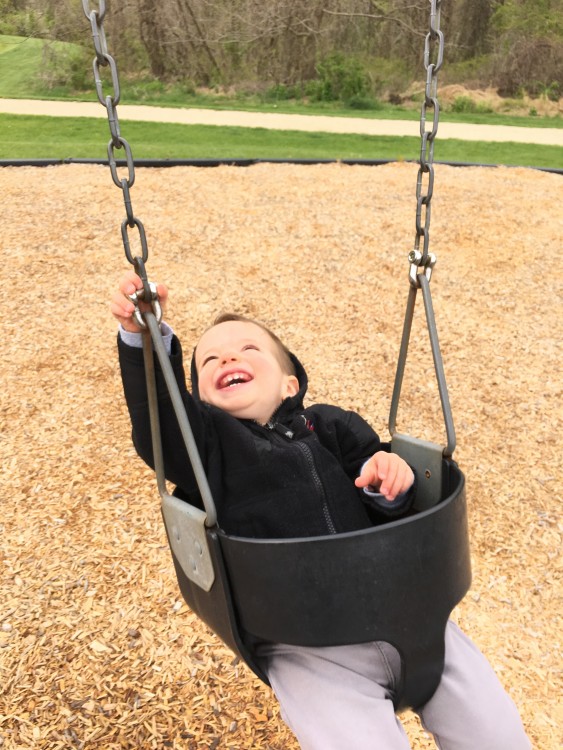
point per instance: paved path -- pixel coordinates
(273, 121)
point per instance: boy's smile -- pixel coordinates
(239, 371)
(232, 379)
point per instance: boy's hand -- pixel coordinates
(122, 307)
(388, 473)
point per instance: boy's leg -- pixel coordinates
(470, 710)
(337, 698)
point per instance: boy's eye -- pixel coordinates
(208, 359)
(250, 346)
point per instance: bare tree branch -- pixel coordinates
(380, 17)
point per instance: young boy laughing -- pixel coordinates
(279, 469)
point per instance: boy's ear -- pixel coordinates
(292, 385)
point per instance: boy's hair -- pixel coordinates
(283, 353)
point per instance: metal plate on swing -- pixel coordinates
(426, 458)
(187, 536)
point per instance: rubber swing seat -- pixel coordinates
(397, 582)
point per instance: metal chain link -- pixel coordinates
(110, 101)
(423, 262)
(148, 320)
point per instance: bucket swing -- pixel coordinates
(397, 582)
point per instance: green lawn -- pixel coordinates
(21, 61)
(21, 67)
(26, 137)
(22, 64)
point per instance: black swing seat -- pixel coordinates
(397, 582)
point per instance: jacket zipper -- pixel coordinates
(318, 484)
(286, 433)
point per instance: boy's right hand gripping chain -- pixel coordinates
(139, 296)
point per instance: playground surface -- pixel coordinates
(97, 650)
(274, 121)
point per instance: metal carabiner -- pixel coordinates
(415, 258)
(139, 296)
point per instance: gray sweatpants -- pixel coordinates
(340, 698)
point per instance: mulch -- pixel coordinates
(97, 649)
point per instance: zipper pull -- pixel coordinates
(281, 429)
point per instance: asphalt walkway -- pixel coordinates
(273, 121)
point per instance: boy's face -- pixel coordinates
(239, 371)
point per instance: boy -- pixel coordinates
(279, 469)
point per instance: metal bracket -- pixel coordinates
(188, 540)
(415, 260)
(426, 458)
(153, 301)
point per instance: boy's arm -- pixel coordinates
(387, 481)
(176, 463)
(135, 338)
(386, 473)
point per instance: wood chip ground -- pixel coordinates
(97, 649)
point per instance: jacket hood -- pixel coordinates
(287, 406)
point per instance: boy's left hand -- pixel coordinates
(388, 473)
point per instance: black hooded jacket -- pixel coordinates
(291, 478)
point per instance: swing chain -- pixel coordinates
(423, 261)
(110, 102)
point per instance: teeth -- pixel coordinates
(233, 379)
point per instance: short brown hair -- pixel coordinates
(283, 353)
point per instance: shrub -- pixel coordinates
(388, 78)
(69, 66)
(339, 78)
(530, 64)
(553, 91)
(22, 23)
(463, 104)
(281, 92)
(364, 103)
(467, 104)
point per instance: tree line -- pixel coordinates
(329, 48)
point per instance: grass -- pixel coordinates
(177, 96)
(30, 137)
(22, 76)
(20, 66)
